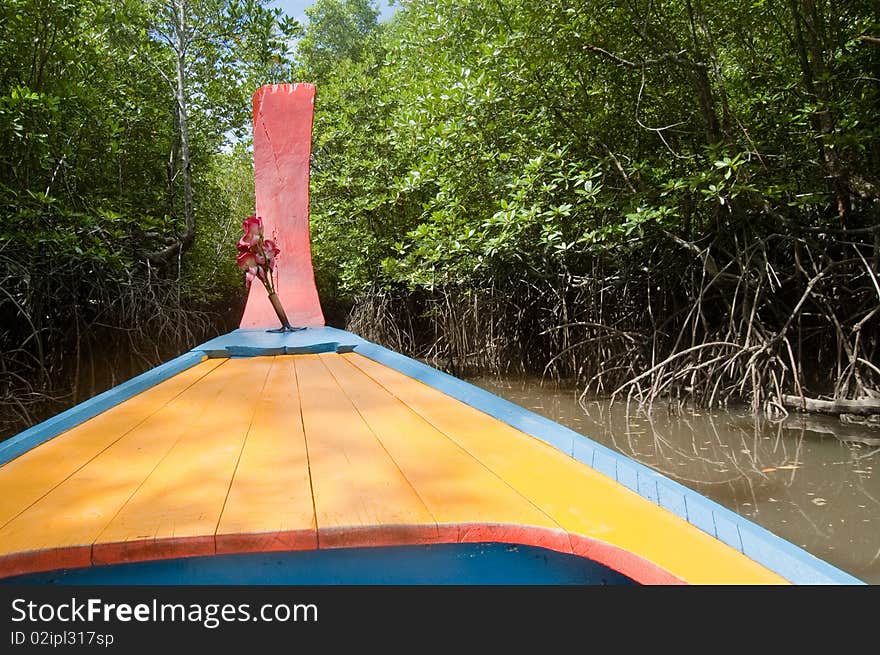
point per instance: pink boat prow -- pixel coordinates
(282, 153)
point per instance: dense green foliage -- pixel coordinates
(604, 185)
(678, 197)
(98, 276)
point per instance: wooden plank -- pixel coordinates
(35, 473)
(583, 501)
(458, 490)
(270, 505)
(361, 496)
(70, 418)
(177, 507)
(74, 513)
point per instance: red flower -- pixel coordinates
(247, 261)
(271, 250)
(253, 230)
(256, 256)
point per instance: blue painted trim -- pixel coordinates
(42, 432)
(253, 343)
(435, 564)
(774, 552)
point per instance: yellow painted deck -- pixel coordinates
(323, 451)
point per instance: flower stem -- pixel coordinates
(279, 310)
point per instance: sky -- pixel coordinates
(296, 8)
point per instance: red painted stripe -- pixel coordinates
(264, 542)
(629, 564)
(141, 550)
(505, 533)
(52, 559)
(639, 569)
(360, 536)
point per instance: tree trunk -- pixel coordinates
(703, 85)
(180, 52)
(808, 33)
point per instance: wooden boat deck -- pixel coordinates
(329, 450)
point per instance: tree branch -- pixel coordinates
(670, 56)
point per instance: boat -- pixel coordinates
(315, 456)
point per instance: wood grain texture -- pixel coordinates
(183, 495)
(31, 475)
(581, 500)
(74, 512)
(457, 489)
(326, 451)
(356, 485)
(269, 505)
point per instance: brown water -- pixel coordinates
(810, 480)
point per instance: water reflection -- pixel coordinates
(808, 479)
